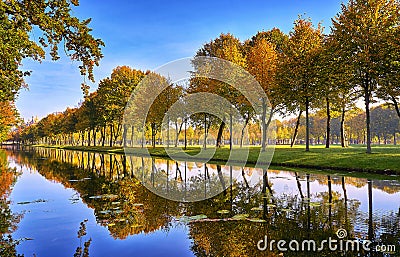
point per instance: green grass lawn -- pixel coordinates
(383, 160)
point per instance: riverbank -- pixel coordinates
(384, 160)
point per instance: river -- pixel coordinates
(70, 203)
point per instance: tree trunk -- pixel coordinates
(269, 121)
(178, 132)
(132, 134)
(185, 134)
(111, 134)
(307, 126)
(296, 129)
(219, 136)
(167, 131)
(367, 95)
(124, 134)
(153, 135)
(103, 135)
(116, 134)
(143, 137)
(264, 129)
(243, 129)
(94, 136)
(205, 131)
(230, 132)
(89, 137)
(328, 123)
(342, 132)
(394, 138)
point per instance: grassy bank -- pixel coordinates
(383, 160)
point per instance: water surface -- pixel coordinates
(61, 200)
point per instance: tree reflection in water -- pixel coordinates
(82, 251)
(233, 221)
(8, 220)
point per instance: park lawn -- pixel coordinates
(383, 160)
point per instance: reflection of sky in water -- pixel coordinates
(381, 200)
(53, 225)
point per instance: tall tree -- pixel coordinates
(160, 106)
(87, 116)
(298, 69)
(336, 85)
(389, 88)
(114, 93)
(69, 124)
(361, 29)
(262, 63)
(229, 48)
(262, 52)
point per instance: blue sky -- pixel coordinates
(148, 34)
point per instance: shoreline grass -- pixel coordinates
(385, 160)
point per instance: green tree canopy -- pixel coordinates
(54, 19)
